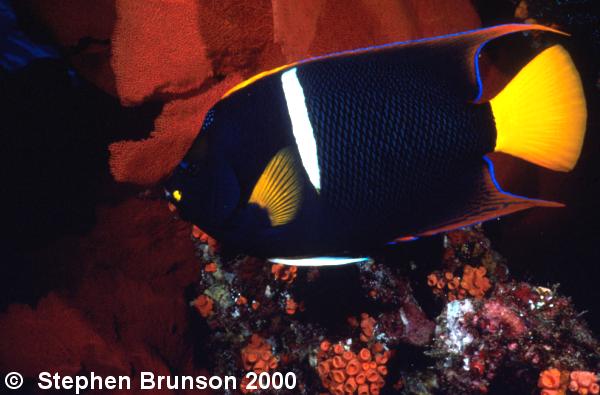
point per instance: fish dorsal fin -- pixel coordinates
(467, 45)
(488, 202)
(459, 52)
(279, 188)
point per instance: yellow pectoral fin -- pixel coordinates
(279, 188)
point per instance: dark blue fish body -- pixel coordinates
(345, 152)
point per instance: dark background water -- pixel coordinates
(560, 246)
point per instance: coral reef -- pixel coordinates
(343, 371)
(257, 357)
(490, 325)
(556, 382)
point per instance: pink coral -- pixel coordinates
(501, 316)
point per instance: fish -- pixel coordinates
(321, 161)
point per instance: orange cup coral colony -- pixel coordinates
(291, 306)
(204, 304)
(198, 234)
(345, 372)
(584, 383)
(473, 283)
(257, 357)
(284, 272)
(551, 383)
(556, 382)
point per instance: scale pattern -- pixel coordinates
(390, 133)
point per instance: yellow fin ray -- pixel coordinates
(541, 114)
(279, 188)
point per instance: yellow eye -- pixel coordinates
(177, 195)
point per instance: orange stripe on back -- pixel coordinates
(256, 77)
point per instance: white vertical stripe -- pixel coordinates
(303, 131)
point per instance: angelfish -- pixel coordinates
(316, 162)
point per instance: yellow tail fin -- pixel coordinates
(541, 114)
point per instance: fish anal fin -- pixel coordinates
(489, 202)
(279, 188)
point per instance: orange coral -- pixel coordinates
(291, 306)
(241, 300)
(474, 283)
(556, 382)
(204, 304)
(432, 280)
(552, 382)
(367, 326)
(345, 372)
(584, 383)
(197, 233)
(258, 357)
(210, 267)
(284, 272)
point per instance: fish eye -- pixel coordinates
(177, 195)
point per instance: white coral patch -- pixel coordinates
(454, 334)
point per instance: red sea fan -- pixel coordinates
(168, 50)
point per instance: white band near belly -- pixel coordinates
(319, 261)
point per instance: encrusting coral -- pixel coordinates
(494, 325)
(343, 371)
(473, 283)
(257, 357)
(556, 382)
(553, 382)
(284, 272)
(204, 305)
(584, 383)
